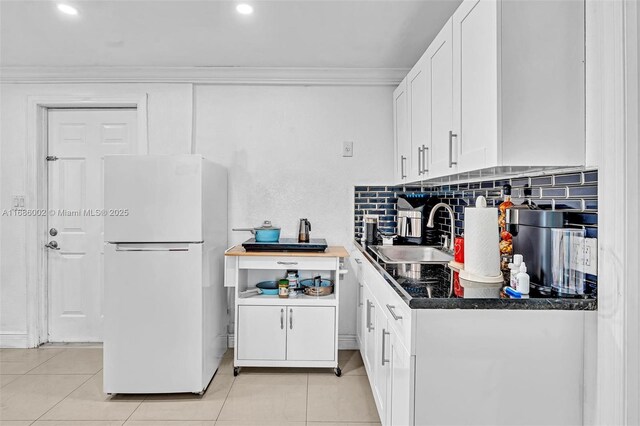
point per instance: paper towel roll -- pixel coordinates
(481, 241)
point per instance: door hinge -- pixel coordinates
(52, 158)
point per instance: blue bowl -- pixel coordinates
(268, 287)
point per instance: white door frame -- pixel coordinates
(612, 133)
(36, 194)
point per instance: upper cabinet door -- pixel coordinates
(402, 144)
(475, 74)
(442, 155)
(419, 121)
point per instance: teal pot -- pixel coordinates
(267, 233)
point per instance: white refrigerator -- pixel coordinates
(165, 312)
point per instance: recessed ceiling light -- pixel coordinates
(65, 8)
(244, 9)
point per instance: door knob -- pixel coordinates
(53, 232)
(53, 245)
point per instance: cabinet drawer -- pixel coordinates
(279, 262)
(399, 316)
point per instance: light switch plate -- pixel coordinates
(347, 149)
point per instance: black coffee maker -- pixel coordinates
(413, 212)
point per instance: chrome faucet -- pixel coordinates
(452, 219)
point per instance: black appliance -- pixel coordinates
(413, 213)
(287, 244)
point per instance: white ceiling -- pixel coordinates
(186, 33)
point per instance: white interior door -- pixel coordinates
(80, 139)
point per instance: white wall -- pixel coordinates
(169, 131)
(283, 149)
(282, 145)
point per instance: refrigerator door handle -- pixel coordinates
(152, 246)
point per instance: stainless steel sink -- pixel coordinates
(411, 254)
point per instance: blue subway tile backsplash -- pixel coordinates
(575, 192)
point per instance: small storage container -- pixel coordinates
(477, 287)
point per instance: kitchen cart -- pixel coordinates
(271, 331)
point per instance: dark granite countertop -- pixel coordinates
(434, 280)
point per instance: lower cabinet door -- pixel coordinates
(381, 363)
(369, 330)
(311, 333)
(262, 332)
(399, 405)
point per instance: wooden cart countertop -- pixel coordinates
(331, 251)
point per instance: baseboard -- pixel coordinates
(14, 340)
(346, 342)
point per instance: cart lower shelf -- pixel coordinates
(336, 370)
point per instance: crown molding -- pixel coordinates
(206, 75)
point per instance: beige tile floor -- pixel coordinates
(62, 385)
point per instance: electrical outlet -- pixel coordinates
(585, 255)
(591, 256)
(347, 149)
(18, 201)
(577, 254)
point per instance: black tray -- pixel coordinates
(287, 244)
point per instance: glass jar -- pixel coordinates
(283, 288)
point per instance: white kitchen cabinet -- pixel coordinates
(311, 333)
(293, 333)
(360, 330)
(369, 343)
(264, 336)
(440, 105)
(401, 375)
(419, 123)
(381, 362)
(499, 90)
(271, 331)
(429, 368)
(402, 144)
(387, 359)
(475, 25)
(518, 72)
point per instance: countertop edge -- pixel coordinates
(331, 251)
(497, 304)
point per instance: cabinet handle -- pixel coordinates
(280, 262)
(282, 319)
(391, 309)
(425, 158)
(369, 305)
(420, 158)
(402, 160)
(360, 295)
(384, 340)
(290, 319)
(358, 261)
(451, 136)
